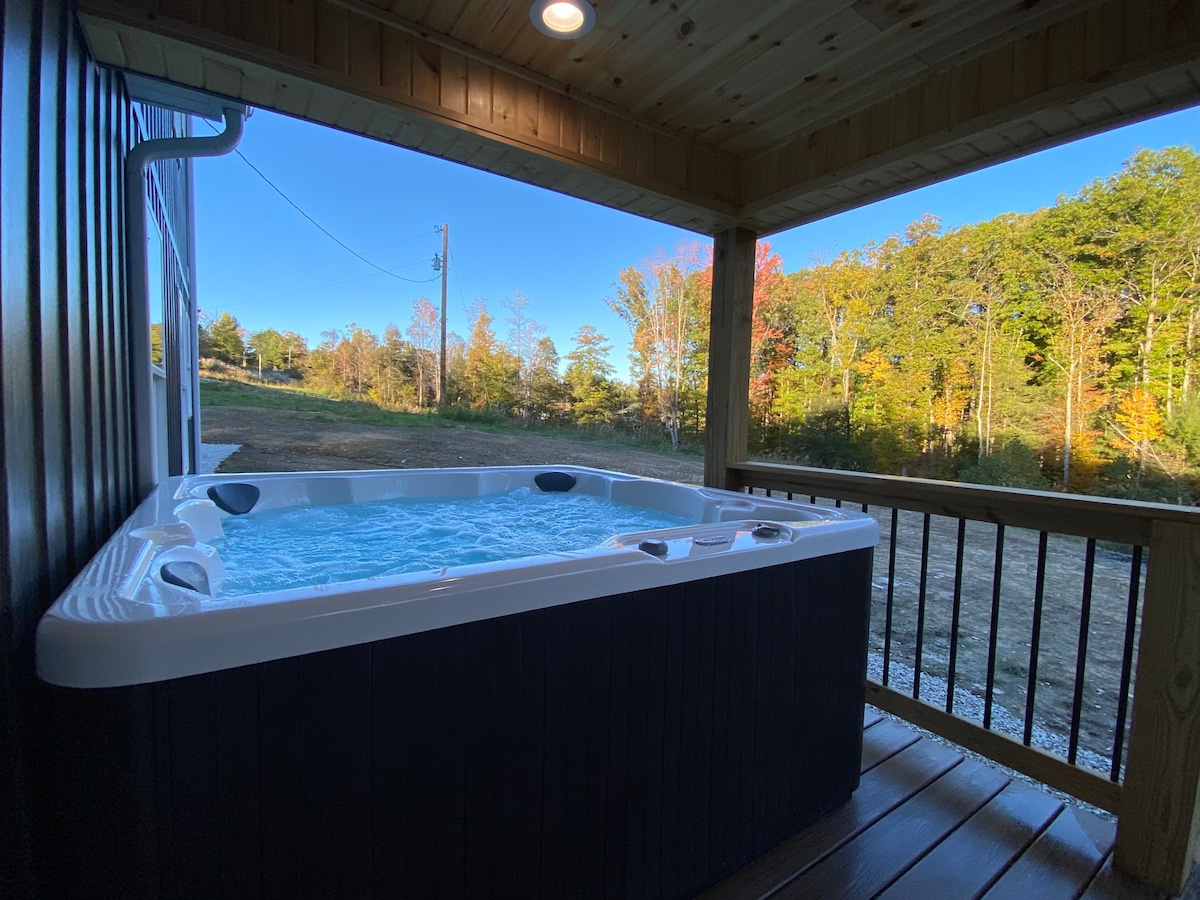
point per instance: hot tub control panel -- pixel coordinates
(690, 542)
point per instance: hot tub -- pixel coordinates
(642, 716)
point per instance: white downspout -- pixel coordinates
(137, 164)
(193, 437)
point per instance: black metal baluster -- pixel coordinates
(1035, 639)
(921, 593)
(838, 503)
(1135, 580)
(865, 507)
(789, 495)
(954, 616)
(1085, 615)
(812, 498)
(887, 624)
(994, 633)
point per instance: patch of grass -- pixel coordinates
(324, 409)
(222, 392)
(483, 419)
(652, 442)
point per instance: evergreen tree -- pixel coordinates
(547, 392)
(225, 338)
(594, 398)
(269, 348)
(395, 384)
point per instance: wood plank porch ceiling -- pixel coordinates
(699, 113)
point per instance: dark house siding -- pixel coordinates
(65, 429)
(64, 426)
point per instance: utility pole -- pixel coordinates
(442, 356)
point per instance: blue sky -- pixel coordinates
(266, 264)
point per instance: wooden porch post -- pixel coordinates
(1156, 830)
(728, 410)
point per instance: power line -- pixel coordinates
(257, 300)
(209, 292)
(317, 224)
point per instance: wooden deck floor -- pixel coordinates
(928, 824)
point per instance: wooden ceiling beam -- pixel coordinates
(416, 29)
(1053, 72)
(1082, 57)
(358, 51)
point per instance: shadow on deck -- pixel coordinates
(927, 823)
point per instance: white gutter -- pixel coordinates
(137, 164)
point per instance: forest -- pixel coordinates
(1053, 350)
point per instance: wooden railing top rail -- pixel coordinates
(1122, 521)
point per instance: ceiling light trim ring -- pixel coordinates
(563, 19)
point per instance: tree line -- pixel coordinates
(1055, 349)
(519, 375)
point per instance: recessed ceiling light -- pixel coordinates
(564, 19)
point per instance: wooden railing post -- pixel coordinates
(1156, 833)
(728, 411)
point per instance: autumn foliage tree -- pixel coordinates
(523, 337)
(1064, 338)
(663, 302)
(1057, 348)
(490, 371)
(424, 333)
(1139, 424)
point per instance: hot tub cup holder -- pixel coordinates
(167, 534)
(204, 518)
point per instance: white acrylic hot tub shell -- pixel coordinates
(116, 625)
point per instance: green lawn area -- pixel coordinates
(326, 409)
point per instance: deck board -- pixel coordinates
(992, 840)
(1061, 862)
(867, 864)
(927, 823)
(882, 789)
(887, 739)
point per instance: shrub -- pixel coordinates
(1014, 465)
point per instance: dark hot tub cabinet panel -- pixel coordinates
(648, 743)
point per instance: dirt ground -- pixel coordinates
(282, 440)
(287, 441)
(1060, 626)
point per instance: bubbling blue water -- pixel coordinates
(298, 547)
